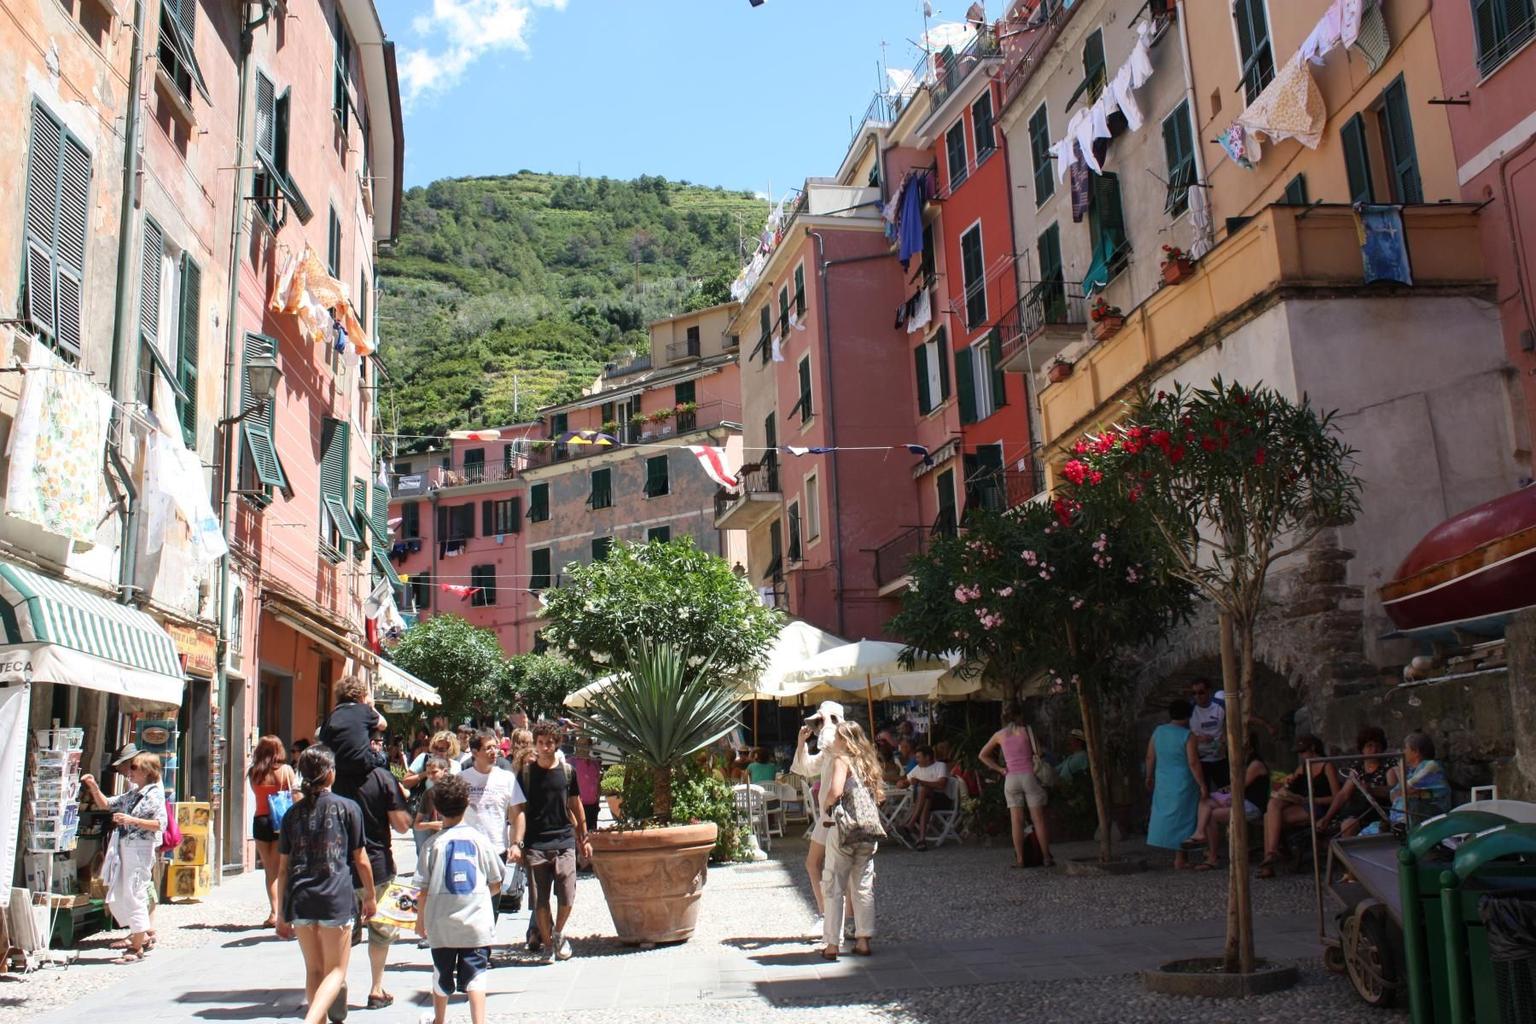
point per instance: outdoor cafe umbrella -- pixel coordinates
(868, 661)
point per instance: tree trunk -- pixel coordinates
(1088, 704)
(1238, 954)
(661, 783)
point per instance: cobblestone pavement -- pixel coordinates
(961, 935)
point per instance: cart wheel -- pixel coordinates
(1368, 957)
(1333, 959)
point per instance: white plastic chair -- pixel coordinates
(792, 806)
(751, 808)
(947, 822)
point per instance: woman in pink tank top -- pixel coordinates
(1021, 788)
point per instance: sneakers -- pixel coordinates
(561, 946)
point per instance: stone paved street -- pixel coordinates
(961, 935)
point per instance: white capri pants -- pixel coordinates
(848, 870)
(128, 887)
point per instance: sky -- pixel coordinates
(716, 92)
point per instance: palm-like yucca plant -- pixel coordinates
(659, 710)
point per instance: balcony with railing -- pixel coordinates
(756, 499)
(1032, 37)
(688, 348)
(892, 558)
(415, 485)
(1050, 316)
(951, 69)
(659, 425)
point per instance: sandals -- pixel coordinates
(1206, 865)
(829, 955)
(866, 951)
(380, 1001)
(132, 956)
(1266, 871)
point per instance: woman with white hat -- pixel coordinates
(823, 726)
(128, 866)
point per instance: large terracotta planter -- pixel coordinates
(653, 878)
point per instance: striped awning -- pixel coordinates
(55, 632)
(395, 680)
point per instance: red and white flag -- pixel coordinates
(713, 461)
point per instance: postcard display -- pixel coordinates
(53, 820)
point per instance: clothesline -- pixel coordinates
(133, 410)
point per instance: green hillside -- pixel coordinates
(521, 287)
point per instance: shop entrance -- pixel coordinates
(232, 778)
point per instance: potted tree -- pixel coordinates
(1107, 319)
(663, 707)
(1176, 265)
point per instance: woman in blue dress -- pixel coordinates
(1175, 781)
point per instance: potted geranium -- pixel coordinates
(663, 707)
(660, 415)
(1107, 319)
(610, 427)
(1176, 265)
(1060, 370)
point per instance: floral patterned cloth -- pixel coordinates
(58, 449)
(1290, 107)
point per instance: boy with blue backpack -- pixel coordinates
(460, 872)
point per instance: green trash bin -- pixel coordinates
(1421, 862)
(1499, 863)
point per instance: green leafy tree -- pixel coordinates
(1044, 588)
(1229, 480)
(540, 683)
(663, 593)
(462, 661)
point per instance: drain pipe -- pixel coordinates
(1204, 239)
(121, 326)
(834, 488)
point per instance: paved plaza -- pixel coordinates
(961, 935)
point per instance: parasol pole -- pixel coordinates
(869, 697)
(756, 739)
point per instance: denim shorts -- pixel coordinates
(300, 922)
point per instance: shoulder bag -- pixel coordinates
(856, 816)
(1045, 772)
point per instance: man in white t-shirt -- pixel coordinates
(1208, 721)
(493, 792)
(930, 782)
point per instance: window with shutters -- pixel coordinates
(602, 489)
(973, 269)
(1179, 152)
(803, 406)
(538, 569)
(685, 393)
(483, 579)
(812, 509)
(273, 187)
(341, 92)
(507, 516)
(954, 151)
(260, 467)
(474, 465)
(421, 591)
(947, 519)
(794, 531)
(55, 229)
(600, 548)
(378, 525)
(774, 570)
(932, 358)
(1295, 191)
(658, 535)
(930, 257)
(461, 522)
(333, 245)
(1095, 74)
(981, 127)
(1503, 26)
(410, 520)
(360, 518)
(800, 290)
(1040, 155)
(1254, 53)
(1050, 295)
(335, 456)
(657, 482)
(784, 312)
(1357, 160)
(770, 460)
(987, 380)
(1106, 227)
(984, 488)
(175, 51)
(765, 334)
(1397, 144)
(538, 503)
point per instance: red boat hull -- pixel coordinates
(1478, 566)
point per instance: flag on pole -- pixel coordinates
(713, 461)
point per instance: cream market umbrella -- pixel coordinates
(579, 698)
(865, 662)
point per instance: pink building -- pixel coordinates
(1489, 69)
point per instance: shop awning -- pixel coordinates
(54, 632)
(395, 680)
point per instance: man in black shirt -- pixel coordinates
(546, 832)
(379, 797)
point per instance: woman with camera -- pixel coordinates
(850, 853)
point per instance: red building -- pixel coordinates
(1488, 70)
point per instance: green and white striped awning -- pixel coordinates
(54, 632)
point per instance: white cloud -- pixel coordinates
(458, 32)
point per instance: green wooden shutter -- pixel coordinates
(1295, 191)
(151, 256)
(538, 569)
(1357, 160)
(335, 457)
(515, 515)
(924, 399)
(266, 467)
(995, 357)
(981, 125)
(191, 327)
(965, 384)
(360, 518)
(487, 518)
(1048, 247)
(600, 548)
(657, 482)
(1179, 152)
(411, 513)
(333, 245)
(765, 323)
(74, 225)
(941, 356)
(1040, 155)
(1095, 76)
(954, 148)
(973, 267)
(800, 290)
(1400, 149)
(41, 220)
(806, 410)
(784, 312)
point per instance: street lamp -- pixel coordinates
(262, 374)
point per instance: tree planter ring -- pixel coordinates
(1203, 977)
(653, 878)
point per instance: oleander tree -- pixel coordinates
(463, 662)
(1228, 480)
(1045, 588)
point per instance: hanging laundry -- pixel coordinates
(1140, 61)
(715, 467)
(175, 475)
(1373, 41)
(913, 199)
(1290, 107)
(459, 590)
(918, 449)
(922, 312)
(798, 450)
(1121, 88)
(1326, 34)
(57, 449)
(1082, 185)
(1383, 243)
(777, 350)
(902, 312)
(1351, 16)
(1080, 129)
(1241, 145)
(462, 435)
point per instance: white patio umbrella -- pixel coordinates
(868, 663)
(797, 643)
(580, 698)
